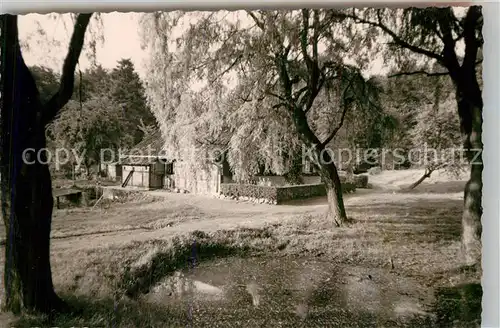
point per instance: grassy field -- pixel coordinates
(396, 265)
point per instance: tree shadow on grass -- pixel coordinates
(427, 221)
(86, 312)
(438, 188)
(459, 306)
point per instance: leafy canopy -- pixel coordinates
(244, 81)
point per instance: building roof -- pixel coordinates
(155, 142)
(146, 152)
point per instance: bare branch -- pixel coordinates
(285, 79)
(300, 92)
(336, 130)
(316, 26)
(277, 106)
(237, 59)
(256, 20)
(303, 37)
(425, 72)
(450, 60)
(313, 83)
(397, 39)
(275, 95)
(63, 95)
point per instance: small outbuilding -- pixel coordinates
(146, 165)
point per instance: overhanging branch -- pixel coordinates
(257, 21)
(396, 38)
(337, 128)
(423, 72)
(63, 95)
(276, 96)
(227, 69)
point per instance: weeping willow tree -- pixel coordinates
(261, 84)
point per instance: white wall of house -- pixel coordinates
(199, 181)
(140, 177)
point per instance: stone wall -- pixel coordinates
(277, 195)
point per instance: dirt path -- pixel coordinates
(184, 213)
(176, 213)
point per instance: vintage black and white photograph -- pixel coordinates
(242, 168)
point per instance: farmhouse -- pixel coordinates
(147, 166)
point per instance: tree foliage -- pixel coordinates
(267, 82)
(89, 127)
(47, 81)
(127, 91)
(106, 111)
(420, 110)
(436, 128)
(452, 38)
(233, 60)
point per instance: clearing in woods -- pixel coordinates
(176, 259)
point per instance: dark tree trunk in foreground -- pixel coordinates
(470, 110)
(27, 200)
(471, 113)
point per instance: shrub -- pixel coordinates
(300, 192)
(360, 181)
(249, 190)
(348, 187)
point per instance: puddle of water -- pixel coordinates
(283, 287)
(179, 286)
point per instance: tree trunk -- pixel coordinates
(330, 177)
(26, 189)
(426, 175)
(26, 184)
(471, 217)
(28, 247)
(336, 202)
(294, 174)
(470, 107)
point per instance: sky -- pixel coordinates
(121, 40)
(121, 32)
